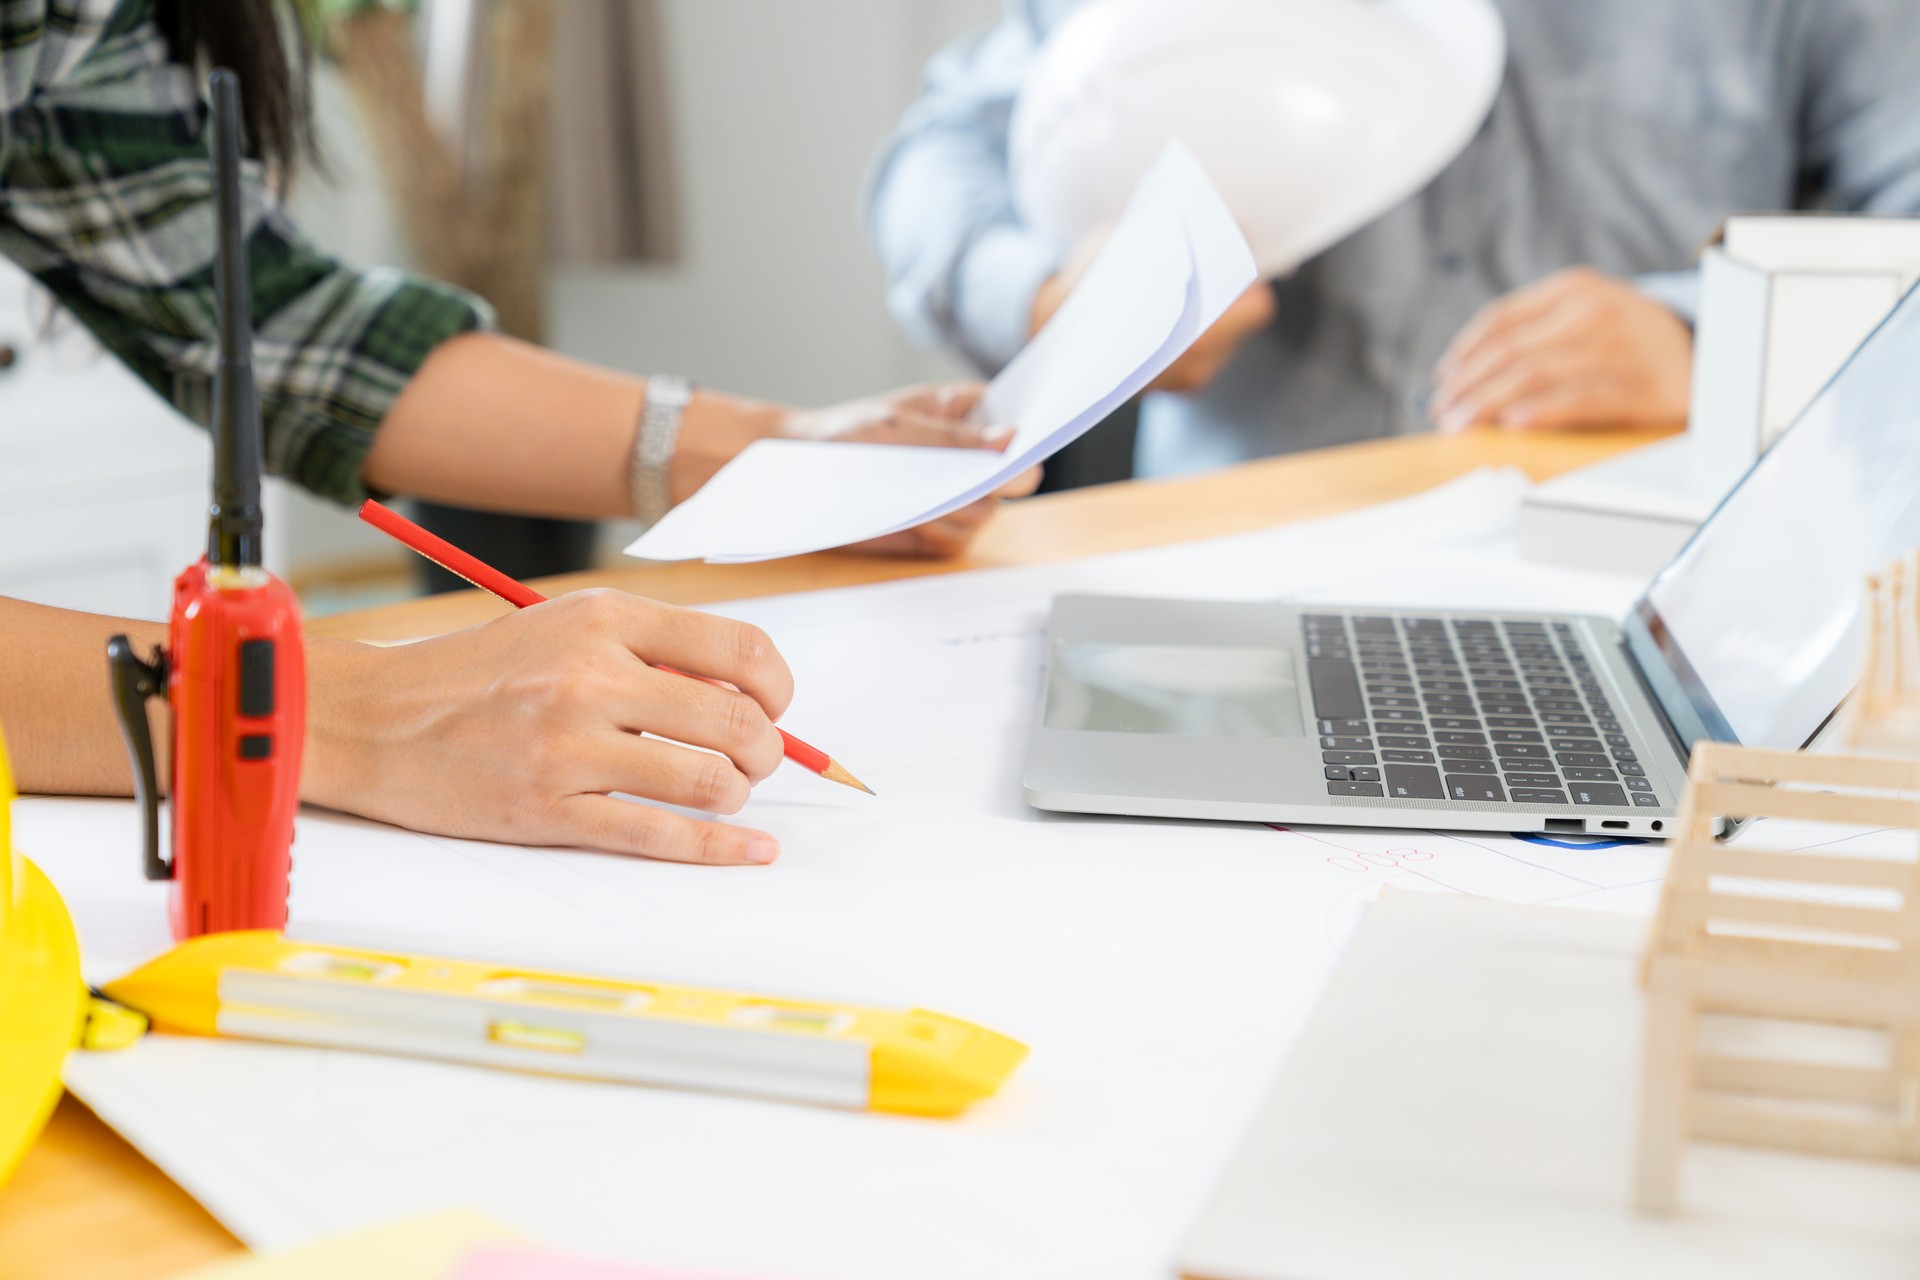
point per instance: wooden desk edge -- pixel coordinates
(86, 1206)
(1061, 526)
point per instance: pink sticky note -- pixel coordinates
(522, 1262)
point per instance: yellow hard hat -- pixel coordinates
(43, 1006)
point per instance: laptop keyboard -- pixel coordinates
(1467, 709)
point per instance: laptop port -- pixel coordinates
(1573, 826)
(1614, 824)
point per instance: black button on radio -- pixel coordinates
(256, 678)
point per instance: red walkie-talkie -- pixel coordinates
(234, 668)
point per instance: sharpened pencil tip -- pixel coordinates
(837, 772)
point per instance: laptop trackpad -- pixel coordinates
(1202, 691)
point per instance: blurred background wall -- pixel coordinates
(780, 106)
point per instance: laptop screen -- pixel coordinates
(1757, 622)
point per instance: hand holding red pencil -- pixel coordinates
(724, 715)
(530, 728)
(520, 596)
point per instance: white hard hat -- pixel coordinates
(1313, 117)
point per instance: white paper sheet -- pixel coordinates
(1172, 266)
(1157, 969)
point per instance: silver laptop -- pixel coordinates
(1385, 717)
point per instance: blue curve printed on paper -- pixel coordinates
(1596, 842)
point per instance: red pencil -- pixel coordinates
(519, 595)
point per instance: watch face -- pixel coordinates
(668, 391)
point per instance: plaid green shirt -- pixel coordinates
(105, 197)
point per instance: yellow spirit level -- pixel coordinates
(262, 986)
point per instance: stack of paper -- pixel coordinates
(1172, 266)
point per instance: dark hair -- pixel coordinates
(272, 57)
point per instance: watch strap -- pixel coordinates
(654, 444)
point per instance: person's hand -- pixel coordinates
(1211, 352)
(521, 729)
(934, 417)
(1578, 350)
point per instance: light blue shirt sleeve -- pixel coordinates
(1677, 291)
(962, 269)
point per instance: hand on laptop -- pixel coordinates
(520, 730)
(1578, 350)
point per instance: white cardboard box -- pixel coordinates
(1785, 300)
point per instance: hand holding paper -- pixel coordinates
(1173, 265)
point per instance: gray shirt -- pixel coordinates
(1624, 131)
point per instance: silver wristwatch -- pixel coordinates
(653, 446)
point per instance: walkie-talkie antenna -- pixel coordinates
(235, 519)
